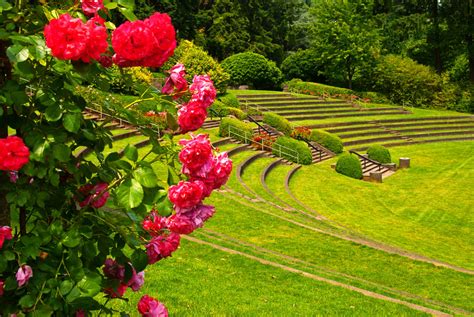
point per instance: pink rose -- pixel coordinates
(176, 84)
(91, 7)
(92, 192)
(137, 281)
(161, 247)
(116, 292)
(186, 194)
(191, 117)
(196, 155)
(5, 234)
(113, 270)
(180, 224)
(80, 313)
(14, 154)
(197, 214)
(150, 307)
(203, 90)
(23, 275)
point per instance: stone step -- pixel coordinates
(345, 115)
(325, 111)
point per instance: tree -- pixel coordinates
(344, 36)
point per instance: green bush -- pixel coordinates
(379, 153)
(314, 89)
(459, 71)
(198, 62)
(288, 147)
(130, 80)
(244, 130)
(328, 140)
(230, 100)
(406, 82)
(304, 65)
(278, 122)
(236, 112)
(349, 165)
(254, 70)
(220, 110)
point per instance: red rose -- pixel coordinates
(191, 117)
(161, 247)
(14, 154)
(91, 7)
(197, 214)
(113, 270)
(71, 39)
(146, 43)
(5, 234)
(196, 155)
(92, 192)
(116, 292)
(150, 307)
(2, 284)
(154, 223)
(186, 194)
(180, 224)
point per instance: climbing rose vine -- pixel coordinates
(79, 226)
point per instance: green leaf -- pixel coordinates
(129, 194)
(42, 311)
(111, 5)
(131, 152)
(27, 301)
(53, 113)
(61, 152)
(139, 260)
(65, 287)
(72, 122)
(89, 286)
(5, 6)
(73, 295)
(72, 239)
(128, 14)
(17, 53)
(146, 176)
(130, 4)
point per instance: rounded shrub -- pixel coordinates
(237, 129)
(198, 62)
(252, 69)
(379, 153)
(292, 150)
(304, 65)
(349, 165)
(330, 141)
(404, 81)
(230, 100)
(278, 122)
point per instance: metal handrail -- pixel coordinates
(366, 159)
(258, 125)
(281, 150)
(313, 147)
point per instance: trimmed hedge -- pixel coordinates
(236, 112)
(349, 165)
(304, 153)
(379, 153)
(253, 69)
(221, 110)
(328, 140)
(230, 100)
(246, 129)
(278, 122)
(315, 89)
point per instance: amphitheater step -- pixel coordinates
(283, 99)
(305, 107)
(345, 115)
(244, 96)
(211, 124)
(297, 103)
(325, 111)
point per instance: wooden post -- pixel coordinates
(404, 162)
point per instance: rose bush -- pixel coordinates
(79, 228)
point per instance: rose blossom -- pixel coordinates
(150, 307)
(137, 281)
(92, 195)
(146, 43)
(96, 40)
(180, 224)
(196, 155)
(197, 214)
(91, 7)
(161, 247)
(5, 234)
(14, 154)
(2, 284)
(191, 117)
(113, 270)
(203, 90)
(154, 223)
(186, 194)
(116, 292)
(176, 84)
(23, 275)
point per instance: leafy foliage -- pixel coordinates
(304, 64)
(328, 140)
(252, 69)
(316, 89)
(237, 129)
(278, 122)
(293, 150)
(349, 165)
(198, 62)
(379, 153)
